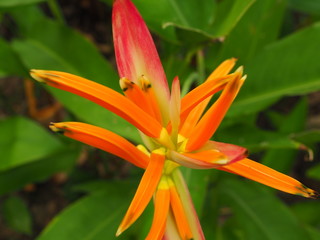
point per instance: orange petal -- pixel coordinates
(268, 176)
(209, 123)
(146, 189)
(135, 51)
(140, 98)
(201, 160)
(179, 214)
(193, 117)
(161, 209)
(102, 95)
(174, 108)
(102, 139)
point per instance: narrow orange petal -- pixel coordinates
(179, 214)
(209, 123)
(200, 160)
(191, 119)
(268, 176)
(102, 95)
(223, 69)
(146, 189)
(161, 210)
(174, 108)
(102, 139)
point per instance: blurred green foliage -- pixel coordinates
(277, 41)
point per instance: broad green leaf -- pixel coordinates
(259, 213)
(282, 68)
(94, 217)
(16, 215)
(35, 171)
(306, 212)
(49, 45)
(10, 63)
(257, 28)
(281, 159)
(18, 3)
(201, 20)
(23, 141)
(307, 6)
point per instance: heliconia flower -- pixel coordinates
(175, 130)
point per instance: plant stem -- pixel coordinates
(188, 205)
(55, 9)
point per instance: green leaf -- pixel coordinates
(281, 159)
(94, 217)
(49, 45)
(307, 6)
(306, 210)
(259, 213)
(18, 3)
(200, 20)
(17, 215)
(10, 63)
(257, 28)
(23, 141)
(281, 69)
(35, 171)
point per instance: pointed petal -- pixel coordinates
(135, 51)
(179, 213)
(268, 176)
(223, 69)
(102, 95)
(161, 209)
(190, 118)
(146, 189)
(174, 108)
(102, 139)
(233, 152)
(200, 160)
(209, 123)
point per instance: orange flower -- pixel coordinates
(175, 130)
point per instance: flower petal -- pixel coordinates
(102, 95)
(268, 176)
(135, 51)
(201, 160)
(174, 108)
(179, 214)
(190, 118)
(102, 139)
(161, 210)
(146, 189)
(209, 123)
(233, 152)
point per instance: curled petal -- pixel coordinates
(268, 176)
(102, 95)
(102, 139)
(201, 160)
(147, 187)
(135, 51)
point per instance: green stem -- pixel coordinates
(200, 66)
(188, 205)
(55, 9)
